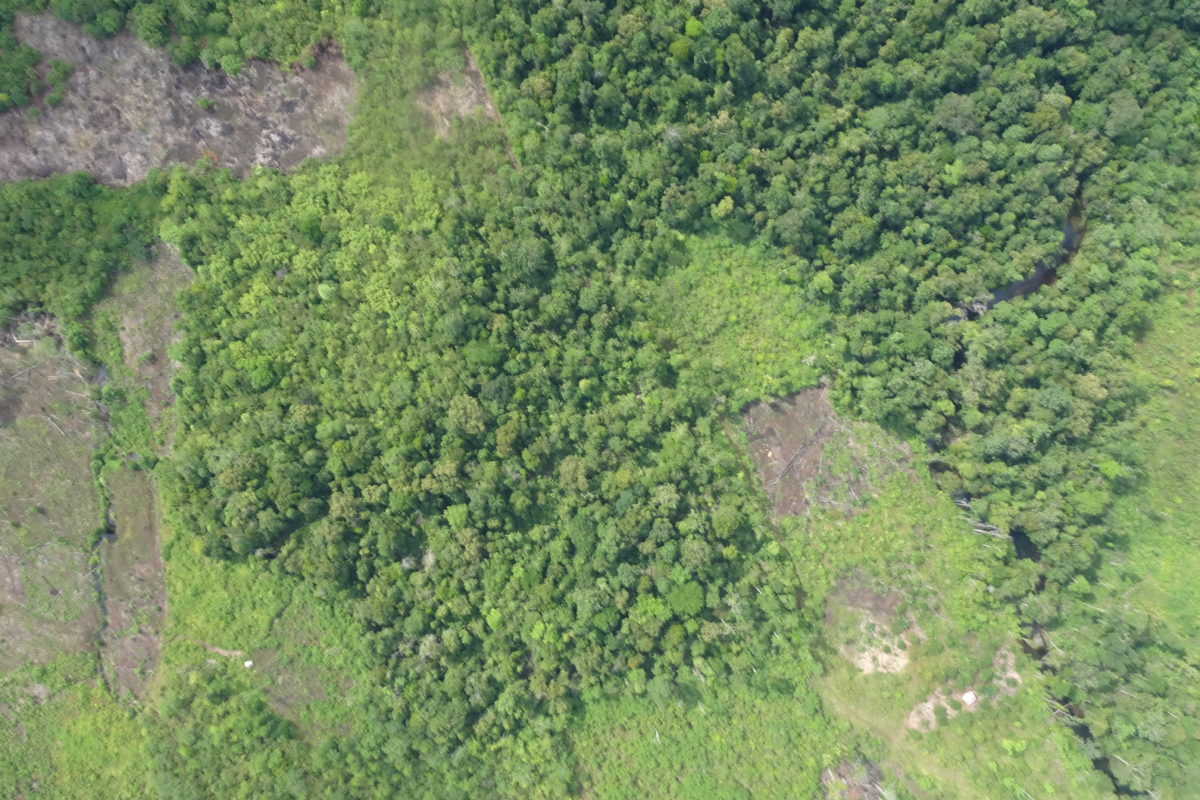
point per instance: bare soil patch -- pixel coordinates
(455, 95)
(135, 591)
(948, 703)
(807, 457)
(867, 628)
(49, 508)
(127, 108)
(924, 715)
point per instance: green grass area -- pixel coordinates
(735, 311)
(133, 330)
(61, 732)
(1161, 520)
(309, 653)
(909, 550)
(63, 736)
(736, 741)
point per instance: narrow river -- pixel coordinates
(1046, 272)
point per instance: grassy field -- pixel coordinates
(133, 332)
(736, 742)
(1161, 521)
(132, 578)
(63, 735)
(916, 654)
(909, 546)
(61, 732)
(308, 654)
(739, 309)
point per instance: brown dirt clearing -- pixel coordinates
(454, 95)
(924, 715)
(807, 457)
(854, 780)
(127, 108)
(863, 625)
(461, 95)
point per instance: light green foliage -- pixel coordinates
(132, 331)
(1161, 520)
(738, 321)
(1147, 581)
(66, 737)
(768, 739)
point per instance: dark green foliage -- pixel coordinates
(919, 158)
(224, 34)
(64, 239)
(220, 33)
(462, 415)
(496, 459)
(22, 77)
(18, 74)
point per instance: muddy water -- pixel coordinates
(127, 108)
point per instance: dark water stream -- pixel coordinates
(1046, 272)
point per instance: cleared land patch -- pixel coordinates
(900, 582)
(867, 627)
(946, 703)
(135, 328)
(141, 307)
(49, 508)
(854, 780)
(127, 108)
(454, 95)
(135, 594)
(806, 456)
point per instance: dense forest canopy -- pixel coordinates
(429, 377)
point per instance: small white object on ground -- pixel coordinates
(247, 664)
(970, 698)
